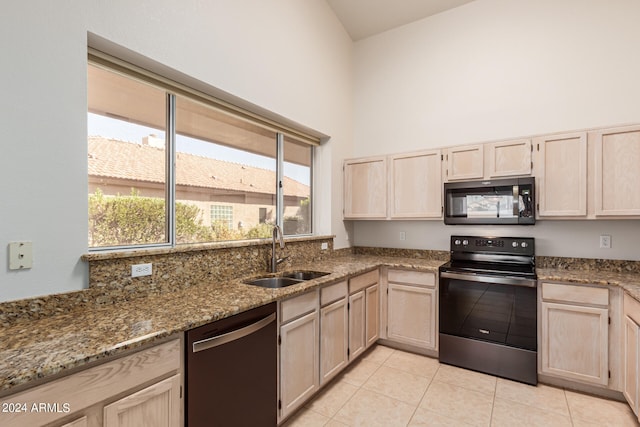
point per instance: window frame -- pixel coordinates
(172, 89)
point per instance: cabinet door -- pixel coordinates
(80, 422)
(299, 361)
(561, 170)
(334, 339)
(631, 356)
(415, 185)
(372, 315)
(617, 156)
(411, 313)
(508, 158)
(575, 342)
(357, 319)
(365, 188)
(466, 162)
(155, 406)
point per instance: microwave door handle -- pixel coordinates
(516, 201)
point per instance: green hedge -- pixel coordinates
(135, 220)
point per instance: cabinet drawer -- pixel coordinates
(332, 293)
(632, 308)
(575, 294)
(413, 277)
(297, 306)
(363, 280)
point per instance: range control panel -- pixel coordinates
(506, 245)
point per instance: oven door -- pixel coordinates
(489, 309)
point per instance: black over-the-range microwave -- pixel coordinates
(500, 201)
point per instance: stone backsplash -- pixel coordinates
(588, 264)
(173, 269)
(405, 253)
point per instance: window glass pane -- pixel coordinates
(225, 176)
(297, 188)
(127, 161)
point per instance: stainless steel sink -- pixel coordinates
(273, 282)
(286, 279)
(304, 275)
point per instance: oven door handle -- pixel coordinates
(499, 280)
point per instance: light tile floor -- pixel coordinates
(390, 387)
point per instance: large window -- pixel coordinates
(167, 167)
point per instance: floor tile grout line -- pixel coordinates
(423, 396)
(358, 388)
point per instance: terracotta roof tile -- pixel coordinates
(126, 160)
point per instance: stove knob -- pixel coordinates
(456, 242)
(465, 242)
(514, 244)
(524, 244)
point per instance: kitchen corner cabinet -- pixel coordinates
(334, 330)
(561, 174)
(364, 312)
(141, 389)
(465, 162)
(617, 156)
(365, 188)
(415, 185)
(575, 333)
(508, 158)
(411, 306)
(299, 351)
(631, 355)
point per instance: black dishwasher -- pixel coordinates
(231, 371)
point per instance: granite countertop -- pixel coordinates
(41, 348)
(630, 282)
(34, 349)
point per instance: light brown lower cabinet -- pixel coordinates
(80, 422)
(334, 330)
(364, 312)
(357, 321)
(575, 333)
(155, 406)
(372, 314)
(299, 351)
(411, 306)
(631, 350)
(140, 389)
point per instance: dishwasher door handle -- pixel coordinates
(233, 335)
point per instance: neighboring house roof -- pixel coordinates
(110, 158)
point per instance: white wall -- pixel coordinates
(498, 69)
(289, 57)
(553, 238)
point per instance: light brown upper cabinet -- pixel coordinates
(508, 158)
(415, 185)
(365, 188)
(561, 174)
(489, 160)
(617, 171)
(465, 162)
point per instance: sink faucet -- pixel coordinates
(277, 232)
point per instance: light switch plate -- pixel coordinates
(20, 255)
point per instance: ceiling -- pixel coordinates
(364, 18)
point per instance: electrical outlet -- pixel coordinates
(403, 235)
(139, 270)
(324, 246)
(605, 241)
